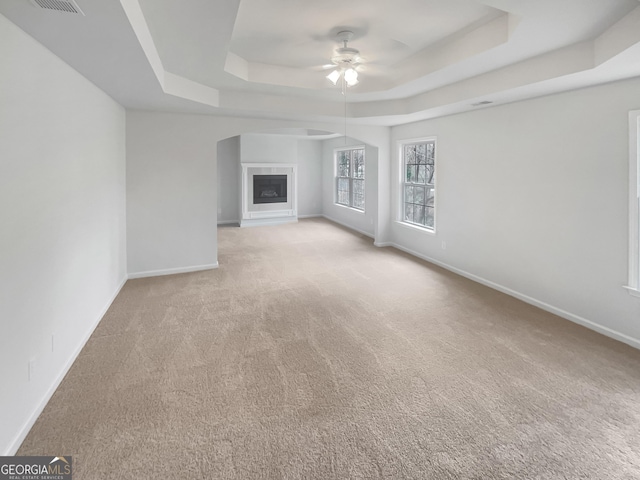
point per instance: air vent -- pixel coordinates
(479, 104)
(69, 6)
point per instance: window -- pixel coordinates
(418, 161)
(634, 203)
(350, 177)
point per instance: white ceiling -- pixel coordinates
(263, 58)
(265, 33)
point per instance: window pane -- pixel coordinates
(343, 164)
(358, 187)
(431, 149)
(430, 197)
(421, 151)
(343, 191)
(358, 194)
(408, 194)
(429, 217)
(430, 171)
(411, 174)
(409, 154)
(408, 212)
(421, 174)
(358, 163)
(418, 214)
(343, 169)
(418, 195)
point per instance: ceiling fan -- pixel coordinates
(345, 61)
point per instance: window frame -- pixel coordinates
(633, 286)
(351, 178)
(402, 183)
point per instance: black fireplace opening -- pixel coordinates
(269, 189)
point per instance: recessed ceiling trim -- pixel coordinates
(68, 6)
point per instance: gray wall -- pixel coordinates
(171, 194)
(533, 197)
(62, 238)
(309, 177)
(229, 178)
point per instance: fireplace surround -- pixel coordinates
(269, 194)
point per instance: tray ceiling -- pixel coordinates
(422, 58)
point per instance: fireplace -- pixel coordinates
(269, 194)
(269, 189)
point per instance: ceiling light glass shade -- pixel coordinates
(351, 77)
(334, 76)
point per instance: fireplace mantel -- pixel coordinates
(254, 214)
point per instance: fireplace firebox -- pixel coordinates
(269, 189)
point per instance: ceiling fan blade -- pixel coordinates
(371, 69)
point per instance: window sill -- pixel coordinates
(416, 228)
(634, 292)
(356, 210)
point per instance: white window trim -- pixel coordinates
(400, 209)
(633, 286)
(335, 176)
(416, 227)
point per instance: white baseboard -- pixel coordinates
(22, 434)
(172, 271)
(634, 342)
(231, 222)
(384, 244)
(350, 227)
(267, 222)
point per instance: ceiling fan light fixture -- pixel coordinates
(351, 77)
(346, 60)
(334, 76)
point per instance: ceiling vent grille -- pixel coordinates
(480, 104)
(69, 6)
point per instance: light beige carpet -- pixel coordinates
(311, 354)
